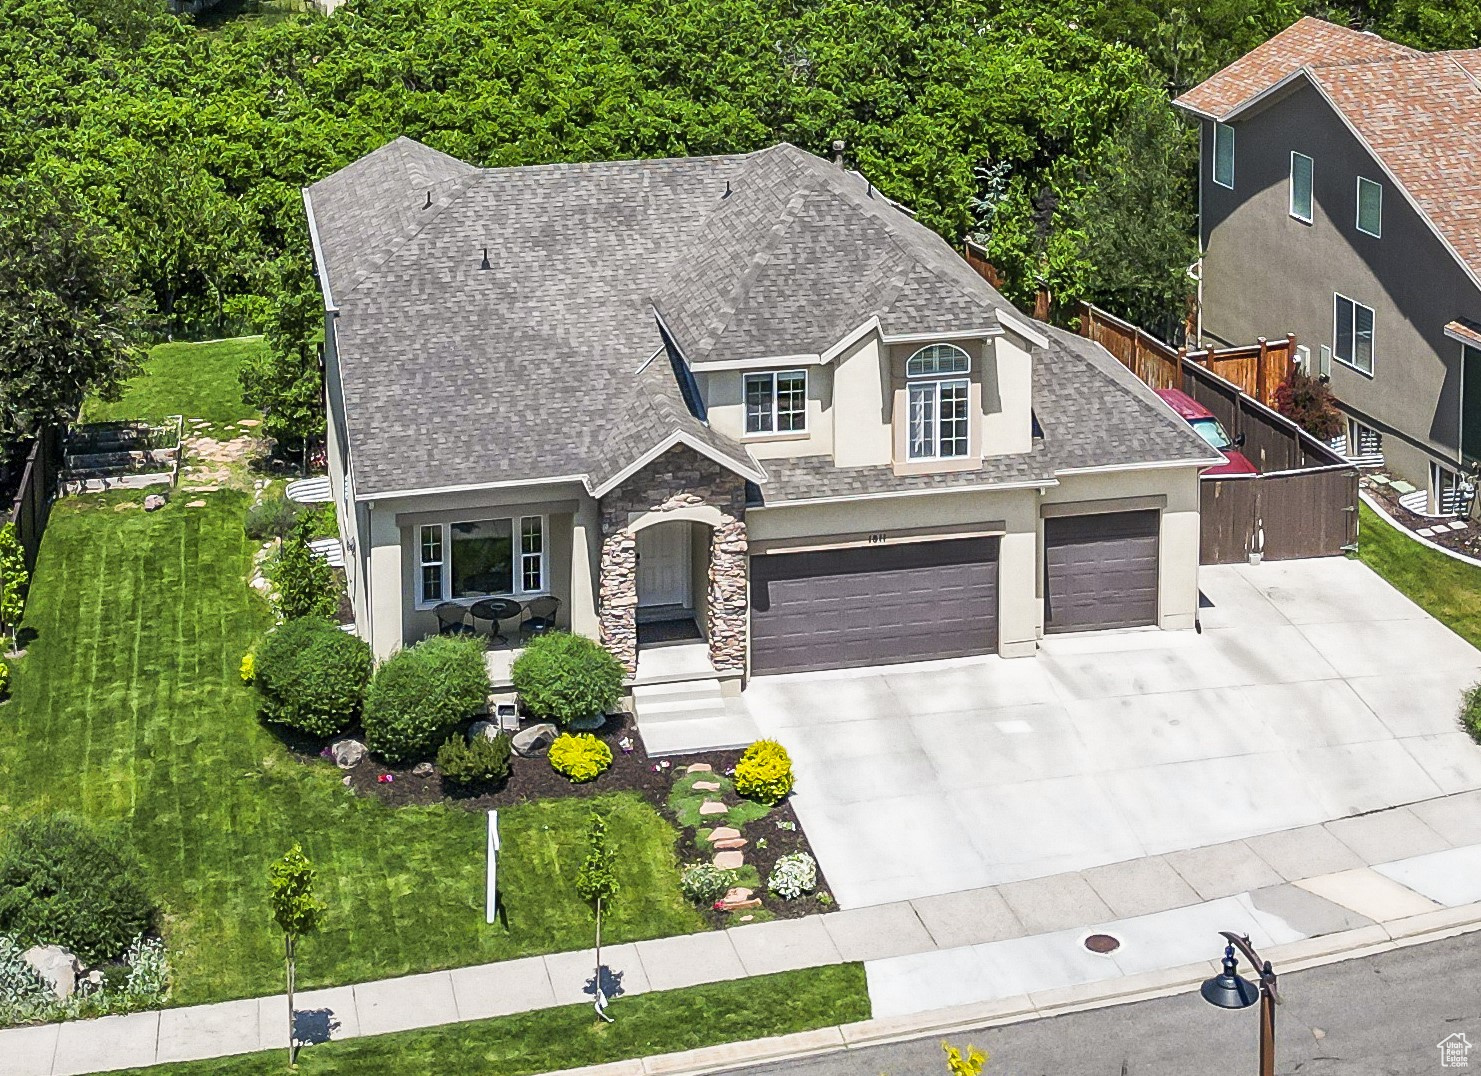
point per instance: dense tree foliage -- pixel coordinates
(1042, 126)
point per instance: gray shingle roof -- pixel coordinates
(538, 366)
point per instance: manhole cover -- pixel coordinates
(1102, 943)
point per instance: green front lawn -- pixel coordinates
(1447, 589)
(568, 1037)
(195, 380)
(128, 708)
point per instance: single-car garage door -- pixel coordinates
(836, 609)
(1102, 571)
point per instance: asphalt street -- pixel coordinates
(1378, 1016)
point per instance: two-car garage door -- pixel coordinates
(873, 605)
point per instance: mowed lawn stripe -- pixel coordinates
(129, 709)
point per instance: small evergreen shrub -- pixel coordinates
(306, 584)
(793, 875)
(479, 761)
(4, 681)
(311, 676)
(272, 518)
(764, 772)
(561, 677)
(705, 883)
(580, 756)
(421, 694)
(63, 883)
(1470, 712)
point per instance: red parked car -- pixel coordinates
(1211, 430)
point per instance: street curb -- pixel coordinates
(1301, 955)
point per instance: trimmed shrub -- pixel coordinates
(306, 585)
(793, 875)
(705, 883)
(4, 681)
(480, 761)
(271, 519)
(1470, 712)
(421, 694)
(764, 772)
(63, 883)
(248, 669)
(562, 677)
(311, 676)
(580, 756)
(1308, 402)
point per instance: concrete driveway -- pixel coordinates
(1315, 691)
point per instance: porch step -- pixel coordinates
(685, 716)
(678, 700)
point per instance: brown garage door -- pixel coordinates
(837, 609)
(1102, 571)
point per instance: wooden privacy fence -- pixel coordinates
(1257, 369)
(1303, 503)
(31, 506)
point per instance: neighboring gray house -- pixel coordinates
(744, 399)
(1340, 199)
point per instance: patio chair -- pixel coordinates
(452, 619)
(539, 616)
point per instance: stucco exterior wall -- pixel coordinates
(724, 393)
(861, 406)
(1266, 273)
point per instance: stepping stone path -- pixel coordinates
(739, 898)
(729, 861)
(709, 808)
(195, 504)
(729, 844)
(700, 767)
(707, 786)
(723, 833)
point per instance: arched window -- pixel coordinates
(937, 359)
(938, 392)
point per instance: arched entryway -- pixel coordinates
(673, 558)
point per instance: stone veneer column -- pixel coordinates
(728, 596)
(619, 597)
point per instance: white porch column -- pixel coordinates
(585, 549)
(387, 583)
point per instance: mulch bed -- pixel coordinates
(533, 779)
(1466, 541)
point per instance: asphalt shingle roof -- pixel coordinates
(550, 362)
(1418, 112)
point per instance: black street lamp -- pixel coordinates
(1230, 990)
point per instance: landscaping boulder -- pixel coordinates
(423, 769)
(347, 753)
(57, 966)
(535, 740)
(153, 503)
(488, 730)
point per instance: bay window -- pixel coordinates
(937, 403)
(476, 558)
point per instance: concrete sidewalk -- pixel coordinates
(947, 950)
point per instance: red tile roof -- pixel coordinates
(1419, 113)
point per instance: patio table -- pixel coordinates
(495, 610)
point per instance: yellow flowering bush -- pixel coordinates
(249, 667)
(764, 772)
(579, 756)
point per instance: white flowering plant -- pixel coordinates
(793, 875)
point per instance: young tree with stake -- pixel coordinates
(297, 911)
(597, 883)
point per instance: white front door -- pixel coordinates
(663, 565)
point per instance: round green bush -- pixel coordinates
(705, 883)
(1470, 712)
(311, 676)
(764, 772)
(421, 694)
(63, 883)
(562, 677)
(272, 518)
(481, 761)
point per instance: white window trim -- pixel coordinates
(1336, 297)
(1310, 193)
(1358, 208)
(1214, 171)
(517, 572)
(937, 381)
(776, 413)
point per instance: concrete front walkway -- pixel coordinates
(929, 953)
(1314, 692)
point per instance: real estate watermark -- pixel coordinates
(1455, 1051)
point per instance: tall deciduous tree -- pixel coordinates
(297, 911)
(285, 383)
(68, 325)
(596, 883)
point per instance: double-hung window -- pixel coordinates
(937, 392)
(1224, 155)
(1301, 176)
(776, 402)
(1370, 207)
(474, 558)
(1352, 334)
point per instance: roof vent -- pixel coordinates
(727, 190)
(838, 146)
(485, 264)
(428, 204)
